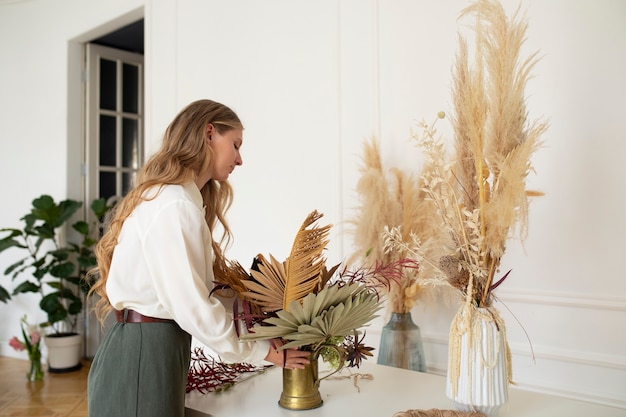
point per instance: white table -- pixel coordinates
(390, 391)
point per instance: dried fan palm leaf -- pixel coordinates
(334, 311)
(276, 284)
(268, 286)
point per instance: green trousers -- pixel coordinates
(140, 370)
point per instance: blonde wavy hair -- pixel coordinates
(182, 156)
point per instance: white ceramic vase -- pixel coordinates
(478, 361)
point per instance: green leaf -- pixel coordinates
(40, 271)
(57, 315)
(26, 286)
(67, 208)
(297, 310)
(288, 318)
(81, 227)
(87, 261)
(280, 322)
(14, 266)
(29, 221)
(75, 307)
(53, 215)
(99, 207)
(4, 295)
(44, 231)
(50, 301)
(88, 242)
(59, 267)
(9, 242)
(44, 208)
(260, 332)
(62, 270)
(60, 254)
(52, 305)
(74, 280)
(334, 312)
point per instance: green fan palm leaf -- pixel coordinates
(334, 311)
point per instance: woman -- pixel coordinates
(155, 268)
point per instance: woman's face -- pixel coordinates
(226, 154)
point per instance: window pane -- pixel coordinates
(108, 84)
(129, 143)
(107, 141)
(130, 92)
(107, 184)
(128, 179)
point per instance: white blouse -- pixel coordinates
(162, 267)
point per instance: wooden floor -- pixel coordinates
(58, 395)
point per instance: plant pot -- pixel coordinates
(301, 388)
(64, 352)
(478, 361)
(401, 344)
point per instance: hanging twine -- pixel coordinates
(434, 412)
(468, 322)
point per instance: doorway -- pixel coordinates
(113, 139)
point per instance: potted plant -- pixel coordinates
(55, 269)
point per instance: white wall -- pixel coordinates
(311, 80)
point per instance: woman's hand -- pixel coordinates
(291, 358)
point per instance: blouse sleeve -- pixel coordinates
(178, 251)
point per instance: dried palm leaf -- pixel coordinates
(268, 285)
(229, 277)
(334, 311)
(276, 284)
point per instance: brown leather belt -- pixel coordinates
(134, 317)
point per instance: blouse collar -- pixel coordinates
(192, 189)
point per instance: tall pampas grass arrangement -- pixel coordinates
(480, 193)
(389, 198)
(481, 197)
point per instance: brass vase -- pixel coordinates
(301, 388)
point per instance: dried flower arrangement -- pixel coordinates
(386, 202)
(307, 305)
(481, 197)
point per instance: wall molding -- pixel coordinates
(544, 352)
(562, 358)
(595, 302)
